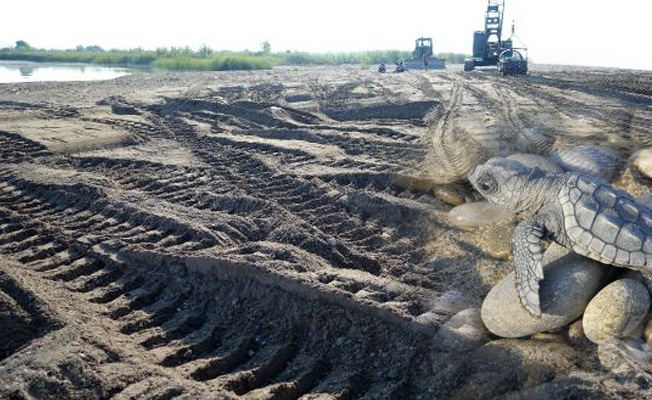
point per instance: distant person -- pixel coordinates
(400, 67)
(382, 68)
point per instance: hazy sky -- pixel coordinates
(582, 32)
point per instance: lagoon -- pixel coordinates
(26, 71)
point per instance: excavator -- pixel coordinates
(490, 49)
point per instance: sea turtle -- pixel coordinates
(580, 212)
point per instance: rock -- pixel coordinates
(553, 253)
(576, 331)
(535, 160)
(464, 331)
(449, 195)
(497, 240)
(642, 161)
(637, 276)
(569, 283)
(473, 215)
(616, 310)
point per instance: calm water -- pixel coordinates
(20, 71)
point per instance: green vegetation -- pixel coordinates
(205, 58)
(110, 58)
(213, 63)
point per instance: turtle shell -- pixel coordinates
(606, 224)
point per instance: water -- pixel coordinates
(25, 71)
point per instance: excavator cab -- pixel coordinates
(423, 48)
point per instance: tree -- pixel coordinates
(204, 51)
(265, 47)
(22, 45)
(94, 49)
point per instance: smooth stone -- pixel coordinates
(637, 276)
(553, 253)
(576, 331)
(449, 195)
(497, 240)
(642, 160)
(535, 160)
(464, 331)
(482, 213)
(569, 284)
(616, 310)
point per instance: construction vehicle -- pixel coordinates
(512, 62)
(422, 56)
(488, 44)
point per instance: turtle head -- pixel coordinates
(506, 183)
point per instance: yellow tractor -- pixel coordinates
(423, 56)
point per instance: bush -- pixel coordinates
(184, 58)
(215, 63)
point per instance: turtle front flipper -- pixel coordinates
(528, 253)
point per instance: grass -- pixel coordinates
(108, 58)
(214, 63)
(205, 59)
(158, 59)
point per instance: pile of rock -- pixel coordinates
(573, 285)
(613, 303)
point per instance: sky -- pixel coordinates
(576, 32)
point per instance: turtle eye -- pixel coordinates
(487, 184)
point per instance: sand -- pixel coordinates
(278, 234)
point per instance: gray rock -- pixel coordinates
(464, 331)
(616, 310)
(497, 240)
(638, 276)
(576, 331)
(473, 215)
(535, 160)
(570, 281)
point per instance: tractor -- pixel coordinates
(422, 56)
